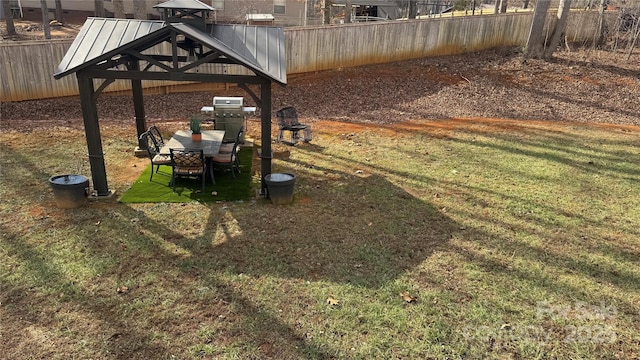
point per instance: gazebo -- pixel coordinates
(184, 46)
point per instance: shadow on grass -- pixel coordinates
(305, 242)
(323, 241)
(346, 228)
(555, 147)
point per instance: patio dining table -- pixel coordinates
(210, 144)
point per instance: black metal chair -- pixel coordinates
(229, 159)
(288, 121)
(154, 153)
(153, 130)
(188, 163)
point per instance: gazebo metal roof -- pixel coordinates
(184, 4)
(101, 38)
(113, 49)
(259, 48)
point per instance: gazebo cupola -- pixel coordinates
(191, 12)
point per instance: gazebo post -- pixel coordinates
(138, 103)
(265, 121)
(92, 133)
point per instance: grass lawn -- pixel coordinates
(461, 238)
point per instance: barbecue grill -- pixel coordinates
(228, 115)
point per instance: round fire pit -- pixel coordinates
(69, 191)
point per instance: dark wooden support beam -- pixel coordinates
(174, 49)
(138, 104)
(113, 63)
(149, 59)
(175, 76)
(265, 120)
(92, 133)
(251, 93)
(202, 60)
(102, 86)
(217, 59)
(213, 52)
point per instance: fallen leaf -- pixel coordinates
(122, 289)
(407, 297)
(115, 335)
(333, 301)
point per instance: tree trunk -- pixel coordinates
(326, 12)
(558, 29)
(59, 12)
(496, 7)
(348, 8)
(45, 19)
(413, 9)
(535, 42)
(8, 18)
(503, 6)
(140, 9)
(99, 8)
(600, 36)
(636, 34)
(118, 9)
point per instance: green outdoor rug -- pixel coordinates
(187, 189)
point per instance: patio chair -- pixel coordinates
(229, 159)
(226, 148)
(154, 153)
(188, 163)
(155, 132)
(288, 121)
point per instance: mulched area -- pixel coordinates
(585, 85)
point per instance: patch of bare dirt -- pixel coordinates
(590, 86)
(582, 86)
(27, 30)
(30, 26)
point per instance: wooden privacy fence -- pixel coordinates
(26, 68)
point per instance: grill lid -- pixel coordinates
(227, 102)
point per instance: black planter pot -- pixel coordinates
(280, 187)
(69, 191)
